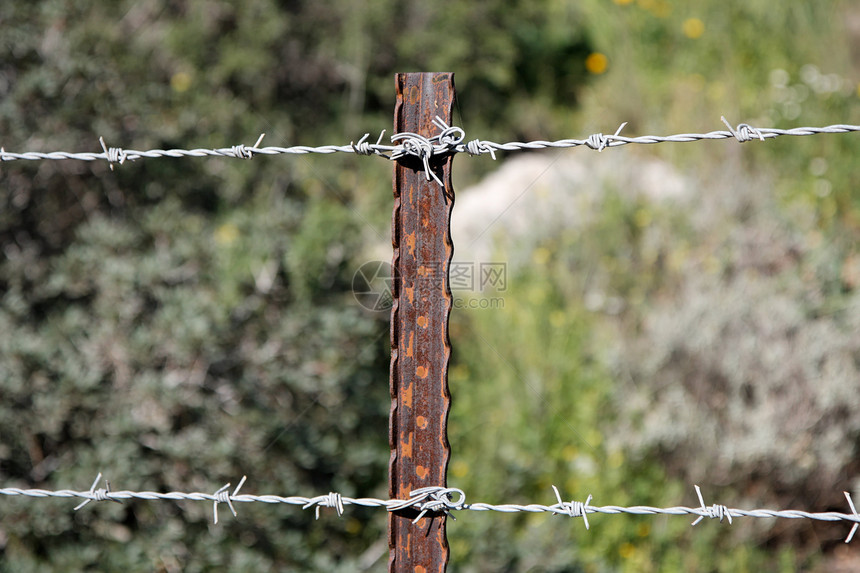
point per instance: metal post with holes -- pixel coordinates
(420, 349)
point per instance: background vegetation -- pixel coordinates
(177, 324)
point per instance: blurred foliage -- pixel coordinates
(176, 324)
(708, 338)
(676, 67)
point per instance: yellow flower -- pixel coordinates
(459, 468)
(661, 9)
(541, 255)
(226, 234)
(569, 452)
(557, 318)
(626, 550)
(693, 28)
(596, 63)
(642, 218)
(180, 81)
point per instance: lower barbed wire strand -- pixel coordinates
(435, 500)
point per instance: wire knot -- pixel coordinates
(744, 132)
(432, 498)
(715, 511)
(363, 147)
(440, 501)
(478, 147)
(597, 141)
(101, 494)
(600, 142)
(450, 136)
(113, 154)
(424, 148)
(854, 511)
(573, 508)
(333, 499)
(224, 496)
(243, 152)
(420, 147)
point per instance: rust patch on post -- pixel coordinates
(420, 349)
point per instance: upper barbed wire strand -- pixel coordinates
(450, 140)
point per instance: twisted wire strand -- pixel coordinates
(440, 501)
(599, 141)
(450, 140)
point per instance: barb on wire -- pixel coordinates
(364, 148)
(113, 154)
(573, 508)
(224, 496)
(599, 141)
(444, 502)
(714, 511)
(333, 499)
(744, 131)
(247, 152)
(101, 494)
(856, 522)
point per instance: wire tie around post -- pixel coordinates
(416, 496)
(419, 146)
(573, 508)
(854, 511)
(440, 500)
(101, 494)
(224, 496)
(744, 132)
(715, 511)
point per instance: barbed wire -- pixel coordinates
(438, 501)
(452, 139)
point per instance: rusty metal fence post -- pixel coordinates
(420, 349)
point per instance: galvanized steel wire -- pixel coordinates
(439, 501)
(431, 500)
(450, 140)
